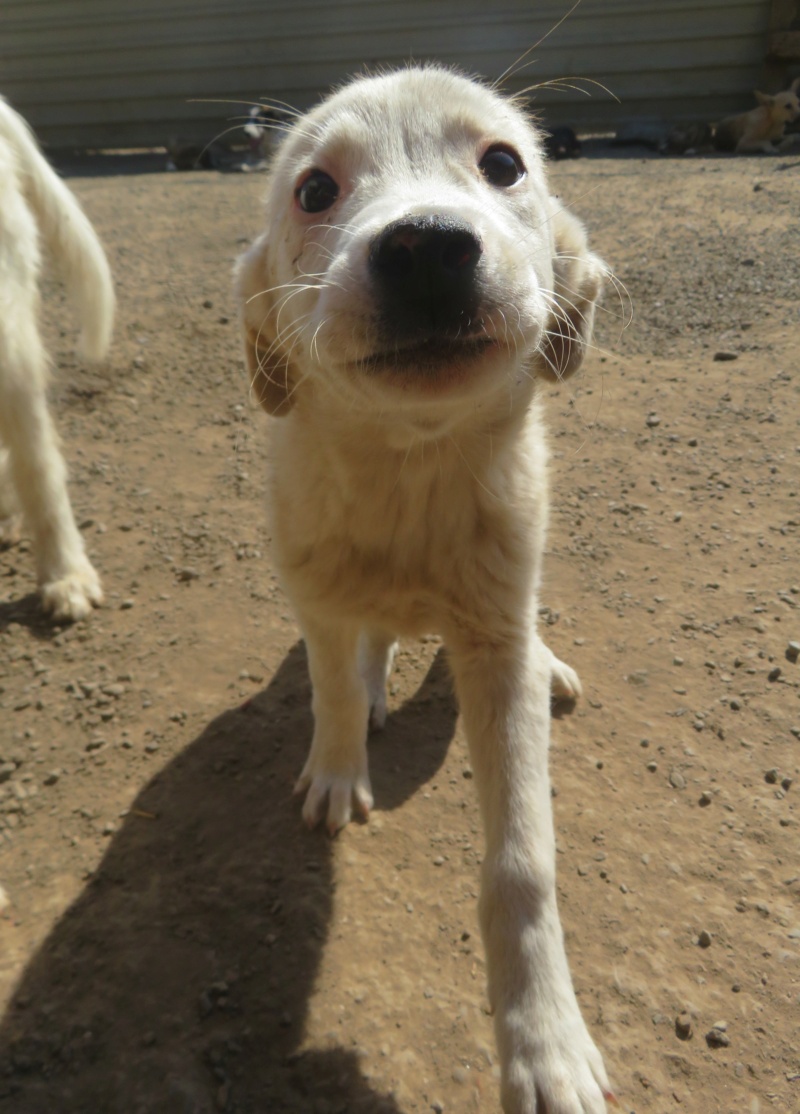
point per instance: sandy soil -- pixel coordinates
(176, 942)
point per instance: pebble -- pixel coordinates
(52, 777)
(717, 1037)
(793, 651)
(652, 766)
(683, 1026)
(774, 674)
(704, 939)
(677, 780)
(705, 799)
(724, 355)
(771, 776)
(652, 420)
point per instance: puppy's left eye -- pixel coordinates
(501, 166)
(317, 192)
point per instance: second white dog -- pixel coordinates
(414, 281)
(35, 206)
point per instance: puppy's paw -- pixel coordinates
(565, 684)
(377, 709)
(9, 529)
(332, 794)
(72, 596)
(560, 1073)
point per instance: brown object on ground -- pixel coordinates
(176, 941)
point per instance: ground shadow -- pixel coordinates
(27, 612)
(178, 982)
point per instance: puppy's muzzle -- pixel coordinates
(425, 274)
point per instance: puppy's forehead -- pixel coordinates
(408, 116)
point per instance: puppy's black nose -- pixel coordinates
(425, 269)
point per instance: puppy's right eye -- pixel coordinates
(317, 192)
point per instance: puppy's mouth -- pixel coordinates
(435, 358)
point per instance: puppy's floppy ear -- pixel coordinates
(577, 281)
(271, 376)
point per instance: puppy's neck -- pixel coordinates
(406, 426)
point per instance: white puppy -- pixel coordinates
(414, 280)
(35, 204)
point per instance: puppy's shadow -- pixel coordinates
(27, 612)
(178, 982)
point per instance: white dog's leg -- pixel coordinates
(68, 583)
(548, 1059)
(376, 650)
(336, 768)
(565, 684)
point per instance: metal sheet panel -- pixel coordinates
(103, 73)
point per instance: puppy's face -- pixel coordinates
(413, 254)
(784, 108)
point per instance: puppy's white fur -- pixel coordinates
(411, 496)
(36, 206)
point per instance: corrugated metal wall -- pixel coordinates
(108, 73)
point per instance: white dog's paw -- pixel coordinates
(562, 1073)
(565, 684)
(377, 709)
(340, 790)
(73, 596)
(376, 658)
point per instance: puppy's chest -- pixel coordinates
(413, 553)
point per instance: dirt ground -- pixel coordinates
(176, 941)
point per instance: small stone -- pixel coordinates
(52, 777)
(438, 861)
(677, 780)
(717, 1038)
(683, 1026)
(793, 651)
(438, 1106)
(771, 776)
(704, 939)
(467, 772)
(652, 766)
(724, 356)
(126, 605)
(705, 799)
(774, 674)
(787, 783)
(652, 420)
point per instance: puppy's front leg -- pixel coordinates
(336, 768)
(548, 1060)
